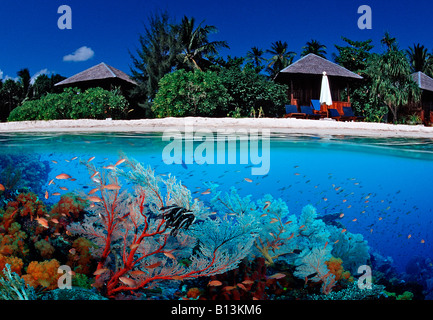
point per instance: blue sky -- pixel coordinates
(106, 30)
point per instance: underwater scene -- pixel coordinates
(105, 216)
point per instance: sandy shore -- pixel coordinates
(296, 126)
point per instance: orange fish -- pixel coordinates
(100, 271)
(154, 265)
(55, 220)
(169, 255)
(129, 282)
(215, 283)
(137, 273)
(344, 230)
(2, 187)
(93, 191)
(268, 203)
(240, 285)
(54, 161)
(409, 236)
(43, 222)
(46, 194)
(248, 180)
(112, 187)
(110, 167)
(247, 282)
(134, 246)
(119, 162)
(301, 227)
(277, 276)
(341, 215)
(74, 158)
(94, 175)
(90, 159)
(63, 188)
(205, 192)
(422, 241)
(291, 236)
(354, 220)
(326, 243)
(51, 182)
(63, 176)
(55, 194)
(273, 220)
(94, 199)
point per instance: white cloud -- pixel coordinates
(37, 74)
(81, 54)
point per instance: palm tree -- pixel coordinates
(389, 42)
(255, 56)
(420, 59)
(280, 59)
(24, 81)
(194, 44)
(315, 47)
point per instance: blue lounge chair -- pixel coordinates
(334, 114)
(292, 112)
(308, 110)
(316, 104)
(348, 112)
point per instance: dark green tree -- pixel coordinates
(420, 59)
(255, 57)
(315, 47)
(194, 44)
(281, 57)
(354, 55)
(391, 81)
(389, 42)
(156, 56)
(24, 79)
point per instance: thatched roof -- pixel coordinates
(424, 81)
(312, 64)
(101, 71)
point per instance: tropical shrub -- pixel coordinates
(251, 91)
(195, 93)
(94, 103)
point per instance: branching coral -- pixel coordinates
(135, 246)
(312, 266)
(12, 287)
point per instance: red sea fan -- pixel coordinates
(135, 245)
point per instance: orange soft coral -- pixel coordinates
(69, 205)
(12, 241)
(45, 248)
(15, 263)
(29, 205)
(79, 257)
(335, 266)
(43, 274)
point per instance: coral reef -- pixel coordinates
(134, 245)
(42, 274)
(12, 287)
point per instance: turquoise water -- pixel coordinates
(382, 186)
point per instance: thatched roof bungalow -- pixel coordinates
(425, 106)
(101, 75)
(304, 79)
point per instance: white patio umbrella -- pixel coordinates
(325, 92)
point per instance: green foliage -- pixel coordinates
(94, 103)
(391, 83)
(314, 47)
(196, 93)
(354, 56)
(249, 90)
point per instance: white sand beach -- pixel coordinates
(293, 126)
